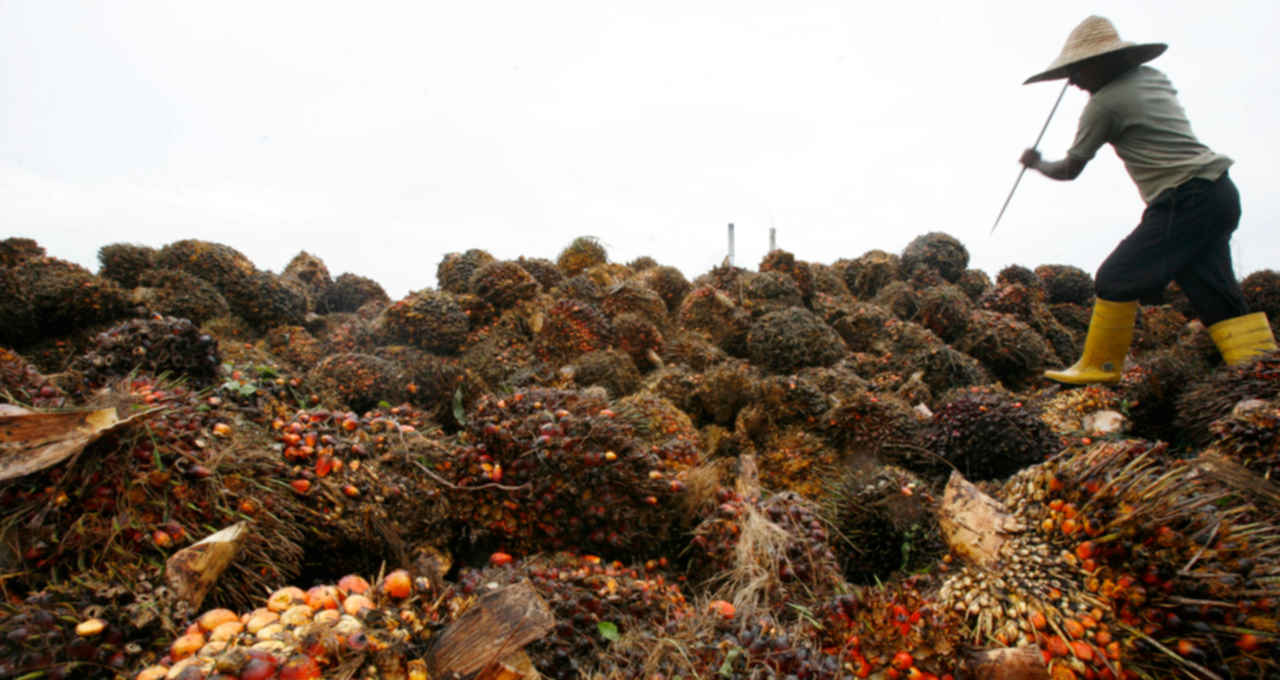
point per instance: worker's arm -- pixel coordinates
(1066, 169)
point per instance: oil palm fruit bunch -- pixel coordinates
(173, 292)
(883, 516)
(945, 310)
(571, 328)
(793, 338)
(160, 344)
(350, 292)
(895, 630)
(975, 283)
(1262, 293)
(454, 272)
(668, 282)
(794, 459)
(709, 310)
(125, 262)
(503, 283)
(358, 381)
(1250, 435)
(311, 274)
(866, 275)
(989, 434)
(784, 262)
(542, 269)
(1185, 565)
(594, 601)
(608, 368)
(1065, 283)
(1006, 346)
(66, 297)
(543, 468)
(938, 251)
(580, 255)
(1215, 395)
(428, 319)
(16, 249)
(633, 297)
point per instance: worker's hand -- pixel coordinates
(1030, 158)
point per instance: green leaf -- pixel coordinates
(267, 372)
(384, 404)
(459, 413)
(726, 668)
(608, 630)
(247, 389)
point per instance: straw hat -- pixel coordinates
(1095, 37)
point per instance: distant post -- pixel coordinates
(773, 239)
(731, 244)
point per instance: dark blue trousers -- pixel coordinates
(1184, 236)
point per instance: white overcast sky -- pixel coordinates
(380, 136)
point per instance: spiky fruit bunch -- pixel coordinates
(223, 266)
(975, 283)
(177, 293)
(1250, 435)
(945, 310)
(639, 339)
(632, 297)
(988, 434)
(1011, 298)
(827, 279)
(358, 381)
(795, 459)
(1075, 318)
(265, 300)
(579, 287)
(1158, 327)
(709, 310)
(1133, 517)
(668, 282)
(784, 262)
(789, 339)
(894, 630)
(1009, 348)
(765, 551)
(15, 250)
(798, 399)
(938, 251)
(502, 354)
(866, 275)
(124, 262)
(311, 272)
(350, 292)
(65, 297)
(454, 272)
(899, 298)
(428, 320)
(1262, 293)
(543, 270)
(1066, 283)
(656, 420)
(1174, 296)
(1152, 389)
(608, 368)
(1214, 395)
(503, 283)
(588, 596)
(161, 344)
(944, 368)
(690, 349)
(885, 514)
(346, 333)
(22, 383)
(295, 346)
(544, 469)
(724, 389)
(860, 324)
(571, 328)
(582, 254)
(1016, 273)
(17, 315)
(770, 291)
(869, 423)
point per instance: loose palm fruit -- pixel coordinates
(398, 584)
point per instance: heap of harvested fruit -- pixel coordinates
(161, 344)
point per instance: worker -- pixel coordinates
(1192, 205)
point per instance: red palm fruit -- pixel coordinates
(257, 668)
(1247, 642)
(1085, 550)
(1073, 628)
(301, 485)
(186, 645)
(397, 584)
(324, 465)
(322, 597)
(299, 667)
(902, 661)
(500, 558)
(161, 538)
(1082, 650)
(723, 608)
(1056, 646)
(285, 598)
(354, 604)
(353, 585)
(216, 617)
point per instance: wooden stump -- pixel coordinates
(490, 634)
(192, 571)
(975, 525)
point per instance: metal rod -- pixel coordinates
(1033, 146)
(773, 239)
(731, 244)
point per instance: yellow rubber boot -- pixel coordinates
(1242, 337)
(1110, 332)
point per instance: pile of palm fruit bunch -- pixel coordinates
(564, 466)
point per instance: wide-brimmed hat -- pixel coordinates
(1095, 37)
